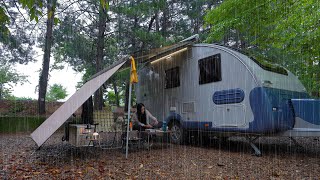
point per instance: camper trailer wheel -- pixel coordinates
(177, 132)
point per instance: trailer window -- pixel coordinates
(172, 78)
(210, 69)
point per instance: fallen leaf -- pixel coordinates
(193, 163)
(42, 163)
(101, 169)
(209, 167)
(67, 171)
(219, 164)
(26, 177)
(275, 174)
(141, 166)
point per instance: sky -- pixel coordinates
(67, 77)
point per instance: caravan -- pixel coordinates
(211, 90)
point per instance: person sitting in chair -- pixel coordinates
(143, 119)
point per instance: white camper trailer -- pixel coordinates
(216, 90)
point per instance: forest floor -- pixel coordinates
(281, 159)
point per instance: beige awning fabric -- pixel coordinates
(50, 125)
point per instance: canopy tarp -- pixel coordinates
(50, 125)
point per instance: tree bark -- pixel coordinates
(98, 95)
(114, 84)
(1, 89)
(87, 112)
(149, 29)
(157, 21)
(43, 80)
(165, 21)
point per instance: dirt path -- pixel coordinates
(232, 160)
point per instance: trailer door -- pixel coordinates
(229, 115)
(228, 109)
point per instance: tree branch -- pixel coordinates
(15, 3)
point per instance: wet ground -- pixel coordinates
(233, 159)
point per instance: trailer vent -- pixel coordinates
(188, 107)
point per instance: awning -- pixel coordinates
(158, 53)
(51, 125)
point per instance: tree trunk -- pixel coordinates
(98, 95)
(157, 21)
(165, 21)
(1, 89)
(149, 29)
(87, 112)
(43, 81)
(114, 84)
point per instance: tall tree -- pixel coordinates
(98, 96)
(43, 80)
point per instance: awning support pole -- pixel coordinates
(128, 122)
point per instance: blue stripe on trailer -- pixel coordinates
(307, 109)
(272, 109)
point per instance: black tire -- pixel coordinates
(177, 135)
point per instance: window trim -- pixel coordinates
(216, 58)
(175, 84)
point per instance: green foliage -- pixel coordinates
(4, 20)
(56, 92)
(56, 20)
(34, 7)
(14, 42)
(289, 27)
(120, 78)
(24, 98)
(104, 4)
(8, 77)
(16, 107)
(110, 97)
